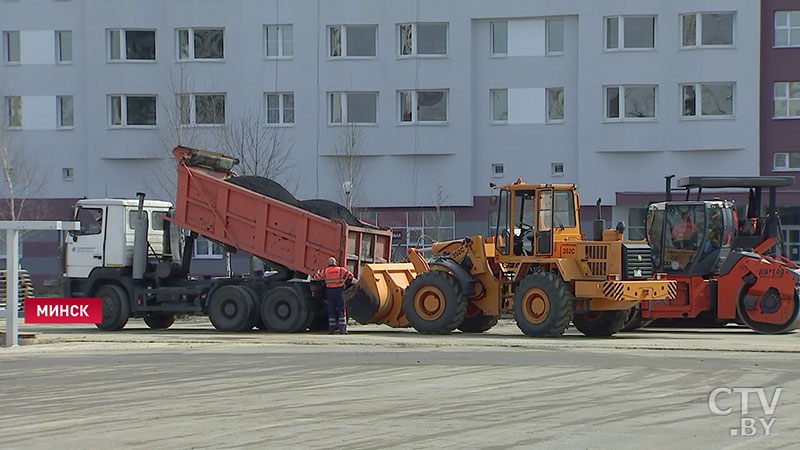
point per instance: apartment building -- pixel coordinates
(440, 100)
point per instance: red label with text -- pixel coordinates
(63, 310)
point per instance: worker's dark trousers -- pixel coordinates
(337, 317)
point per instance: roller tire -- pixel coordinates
(768, 328)
(600, 323)
(116, 307)
(543, 305)
(434, 303)
(284, 311)
(231, 309)
(477, 322)
(159, 321)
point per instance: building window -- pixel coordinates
(201, 43)
(131, 45)
(428, 39)
(787, 100)
(557, 169)
(786, 161)
(637, 32)
(630, 102)
(207, 249)
(14, 111)
(423, 106)
(555, 36)
(65, 113)
(280, 108)
(497, 170)
(555, 104)
(353, 107)
(132, 110)
(787, 28)
(715, 99)
(499, 105)
(418, 228)
(353, 41)
(201, 109)
(64, 46)
(279, 41)
(499, 38)
(706, 29)
(11, 46)
(67, 173)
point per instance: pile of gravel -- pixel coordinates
(320, 207)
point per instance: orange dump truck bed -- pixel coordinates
(263, 226)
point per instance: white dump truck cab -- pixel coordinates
(105, 239)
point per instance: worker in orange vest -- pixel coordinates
(336, 279)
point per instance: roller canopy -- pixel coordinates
(734, 182)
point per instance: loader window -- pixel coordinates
(503, 235)
(91, 220)
(524, 221)
(564, 209)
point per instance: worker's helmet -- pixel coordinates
(331, 261)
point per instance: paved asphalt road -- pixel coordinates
(191, 387)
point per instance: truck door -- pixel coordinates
(544, 223)
(85, 247)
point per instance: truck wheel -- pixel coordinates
(635, 320)
(260, 323)
(475, 321)
(231, 309)
(434, 302)
(283, 310)
(255, 316)
(600, 323)
(159, 321)
(116, 307)
(543, 305)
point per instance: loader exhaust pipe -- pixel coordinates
(140, 240)
(599, 223)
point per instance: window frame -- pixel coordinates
(621, 34)
(415, 43)
(788, 29)
(492, 120)
(698, 101)
(210, 254)
(193, 109)
(124, 112)
(59, 55)
(281, 109)
(60, 112)
(788, 99)
(67, 176)
(492, 53)
(7, 106)
(343, 110)
(554, 172)
(547, 50)
(495, 173)
(343, 41)
(621, 107)
(281, 41)
(415, 109)
(788, 167)
(123, 48)
(698, 30)
(192, 51)
(7, 48)
(547, 118)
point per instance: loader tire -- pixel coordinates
(283, 311)
(635, 320)
(600, 323)
(116, 307)
(434, 303)
(231, 309)
(476, 321)
(543, 305)
(159, 321)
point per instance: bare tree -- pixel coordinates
(348, 165)
(435, 218)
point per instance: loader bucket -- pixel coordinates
(378, 296)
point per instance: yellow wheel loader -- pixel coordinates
(537, 267)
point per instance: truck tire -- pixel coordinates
(255, 314)
(116, 307)
(434, 303)
(543, 305)
(159, 321)
(231, 309)
(600, 323)
(283, 310)
(475, 321)
(635, 320)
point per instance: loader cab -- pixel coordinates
(690, 237)
(532, 218)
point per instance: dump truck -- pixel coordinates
(136, 254)
(726, 268)
(537, 266)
